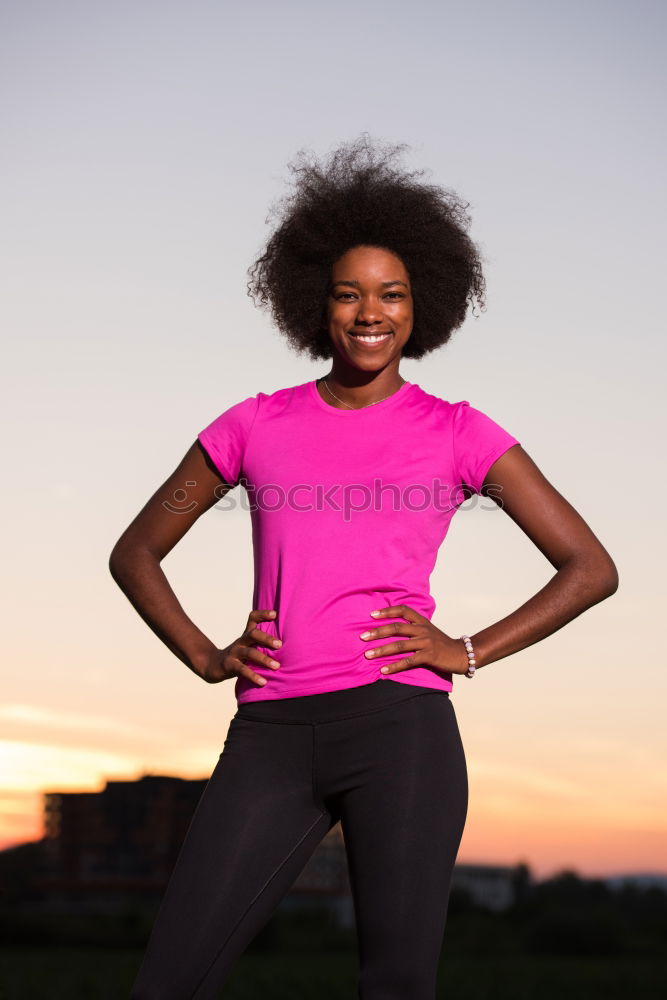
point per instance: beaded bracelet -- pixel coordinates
(470, 672)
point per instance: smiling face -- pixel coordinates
(370, 308)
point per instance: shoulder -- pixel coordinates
(461, 411)
(250, 406)
(439, 406)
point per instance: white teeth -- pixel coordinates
(373, 340)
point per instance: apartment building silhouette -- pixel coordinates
(105, 847)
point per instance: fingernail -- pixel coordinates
(369, 652)
(277, 642)
(272, 614)
(262, 681)
(374, 613)
(365, 635)
(274, 663)
(384, 670)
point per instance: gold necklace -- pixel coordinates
(365, 404)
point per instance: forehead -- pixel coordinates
(369, 263)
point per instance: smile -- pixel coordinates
(370, 339)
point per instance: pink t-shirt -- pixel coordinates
(349, 508)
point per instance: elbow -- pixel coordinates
(119, 559)
(613, 579)
(601, 577)
(607, 575)
(115, 563)
(593, 573)
(126, 556)
(607, 584)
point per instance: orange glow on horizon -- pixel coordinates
(547, 843)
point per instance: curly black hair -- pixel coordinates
(360, 197)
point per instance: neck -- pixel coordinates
(362, 388)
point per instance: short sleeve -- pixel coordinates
(225, 438)
(478, 442)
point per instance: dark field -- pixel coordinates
(92, 974)
(565, 938)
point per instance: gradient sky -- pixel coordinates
(144, 143)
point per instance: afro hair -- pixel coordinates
(360, 197)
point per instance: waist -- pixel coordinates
(329, 706)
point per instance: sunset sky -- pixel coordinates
(144, 144)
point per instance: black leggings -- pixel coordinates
(386, 759)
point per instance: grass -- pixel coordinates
(94, 974)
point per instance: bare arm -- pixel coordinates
(135, 559)
(586, 573)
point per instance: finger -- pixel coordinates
(243, 670)
(252, 676)
(264, 639)
(398, 665)
(399, 628)
(398, 611)
(262, 659)
(261, 615)
(407, 645)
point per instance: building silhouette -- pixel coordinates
(103, 849)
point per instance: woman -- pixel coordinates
(353, 480)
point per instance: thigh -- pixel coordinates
(402, 826)
(252, 832)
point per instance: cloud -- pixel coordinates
(34, 716)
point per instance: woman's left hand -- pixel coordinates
(427, 645)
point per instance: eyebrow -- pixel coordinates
(383, 284)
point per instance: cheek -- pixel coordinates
(339, 317)
(404, 316)
(332, 317)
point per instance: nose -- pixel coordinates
(369, 311)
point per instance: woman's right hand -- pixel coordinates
(231, 661)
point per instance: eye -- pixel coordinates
(394, 295)
(345, 295)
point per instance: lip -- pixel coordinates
(371, 347)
